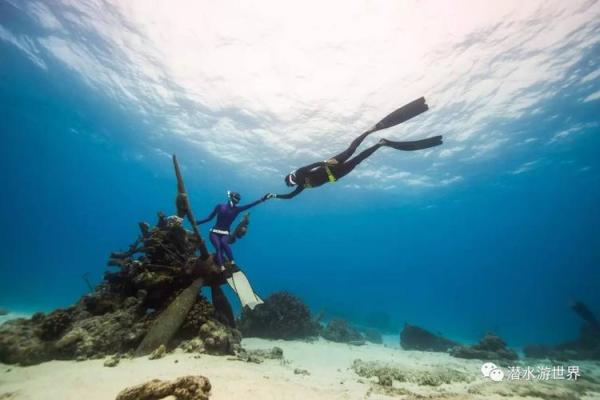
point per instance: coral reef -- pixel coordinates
(201, 312)
(338, 330)
(585, 347)
(54, 324)
(258, 356)
(112, 361)
(490, 347)
(388, 373)
(117, 315)
(282, 316)
(218, 338)
(299, 371)
(184, 388)
(413, 337)
(159, 353)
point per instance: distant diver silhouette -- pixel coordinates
(319, 173)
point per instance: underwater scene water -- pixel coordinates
(497, 229)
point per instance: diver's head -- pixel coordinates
(290, 179)
(233, 197)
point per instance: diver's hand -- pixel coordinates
(269, 196)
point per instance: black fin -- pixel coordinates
(403, 114)
(415, 144)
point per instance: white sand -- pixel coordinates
(328, 363)
(14, 315)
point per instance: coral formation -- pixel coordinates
(299, 371)
(201, 312)
(258, 356)
(338, 330)
(282, 316)
(490, 347)
(387, 373)
(112, 361)
(219, 338)
(116, 316)
(413, 337)
(54, 324)
(159, 353)
(184, 388)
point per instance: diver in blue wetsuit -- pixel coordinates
(226, 214)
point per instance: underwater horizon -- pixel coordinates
(496, 230)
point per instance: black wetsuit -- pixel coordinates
(321, 172)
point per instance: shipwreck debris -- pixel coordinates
(149, 297)
(169, 321)
(585, 347)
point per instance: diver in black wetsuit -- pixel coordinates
(321, 172)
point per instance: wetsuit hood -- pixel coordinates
(233, 197)
(290, 179)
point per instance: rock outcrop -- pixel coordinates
(338, 330)
(413, 337)
(490, 347)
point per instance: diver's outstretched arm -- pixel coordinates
(290, 195)
(211, 216)
(247, 206)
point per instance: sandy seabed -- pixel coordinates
(329, 364)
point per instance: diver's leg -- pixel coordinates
(349, 165)
(346, 154)
(214, 239)
(414, 144)
(226, 249)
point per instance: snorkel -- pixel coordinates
(233, 198)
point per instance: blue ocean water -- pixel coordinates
(498, 251)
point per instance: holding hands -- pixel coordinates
(269, 196)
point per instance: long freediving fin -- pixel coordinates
(241, 286)
(415, 144)
(402, 114)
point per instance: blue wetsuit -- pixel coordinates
(219, 234)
